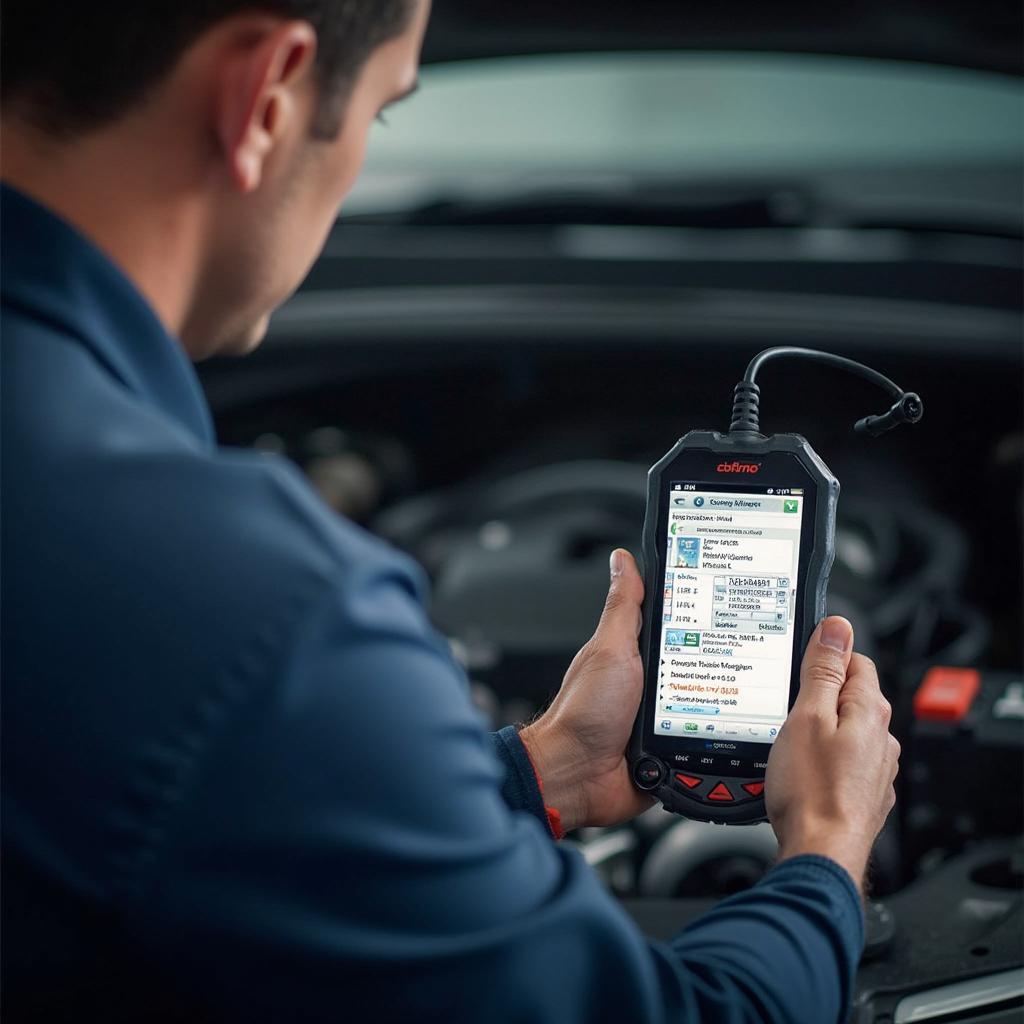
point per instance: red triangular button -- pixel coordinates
(689, 781)
(754, 788)
(720, 792)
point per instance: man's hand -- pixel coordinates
(578, 745)
(829, 785)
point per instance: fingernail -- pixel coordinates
(836, 633)
(615, 562)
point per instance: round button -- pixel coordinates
(648, 773)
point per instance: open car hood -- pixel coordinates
(984, 34)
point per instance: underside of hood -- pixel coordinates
(985, 35)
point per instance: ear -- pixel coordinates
(257, 94)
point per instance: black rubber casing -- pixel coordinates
(650, 771)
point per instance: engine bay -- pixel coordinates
(501, 435)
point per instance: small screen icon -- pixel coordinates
(687, 552)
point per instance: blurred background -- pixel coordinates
(562, 253)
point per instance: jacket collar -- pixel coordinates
(52, 272)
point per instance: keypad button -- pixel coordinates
(721, 793)
(689, 781)
(647, 773)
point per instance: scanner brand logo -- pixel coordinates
(738, 467)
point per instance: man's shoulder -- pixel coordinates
(137, 553)
(151, 584)
(124, 490)
(133, 514)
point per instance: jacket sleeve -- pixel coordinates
(520, 788)
(343, 851)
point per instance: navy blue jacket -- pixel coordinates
(242, 778)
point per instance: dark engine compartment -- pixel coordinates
(489, 400)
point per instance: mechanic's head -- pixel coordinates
(229, 130)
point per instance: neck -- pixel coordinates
(141, 211)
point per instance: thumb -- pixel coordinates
(621, 618)
(825, 663)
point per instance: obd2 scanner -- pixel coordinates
(738, 543)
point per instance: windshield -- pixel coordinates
(496, 125)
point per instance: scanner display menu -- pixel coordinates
(726, 652)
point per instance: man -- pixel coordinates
(242, 778)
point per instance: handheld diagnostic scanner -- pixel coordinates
(738, 543)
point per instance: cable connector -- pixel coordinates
(746, 401)
(907, 409)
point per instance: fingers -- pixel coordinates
(862, 695)
(893, 758)
(823, 672)
(894, 749)
(620, 621)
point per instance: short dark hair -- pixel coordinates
(72, 65)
